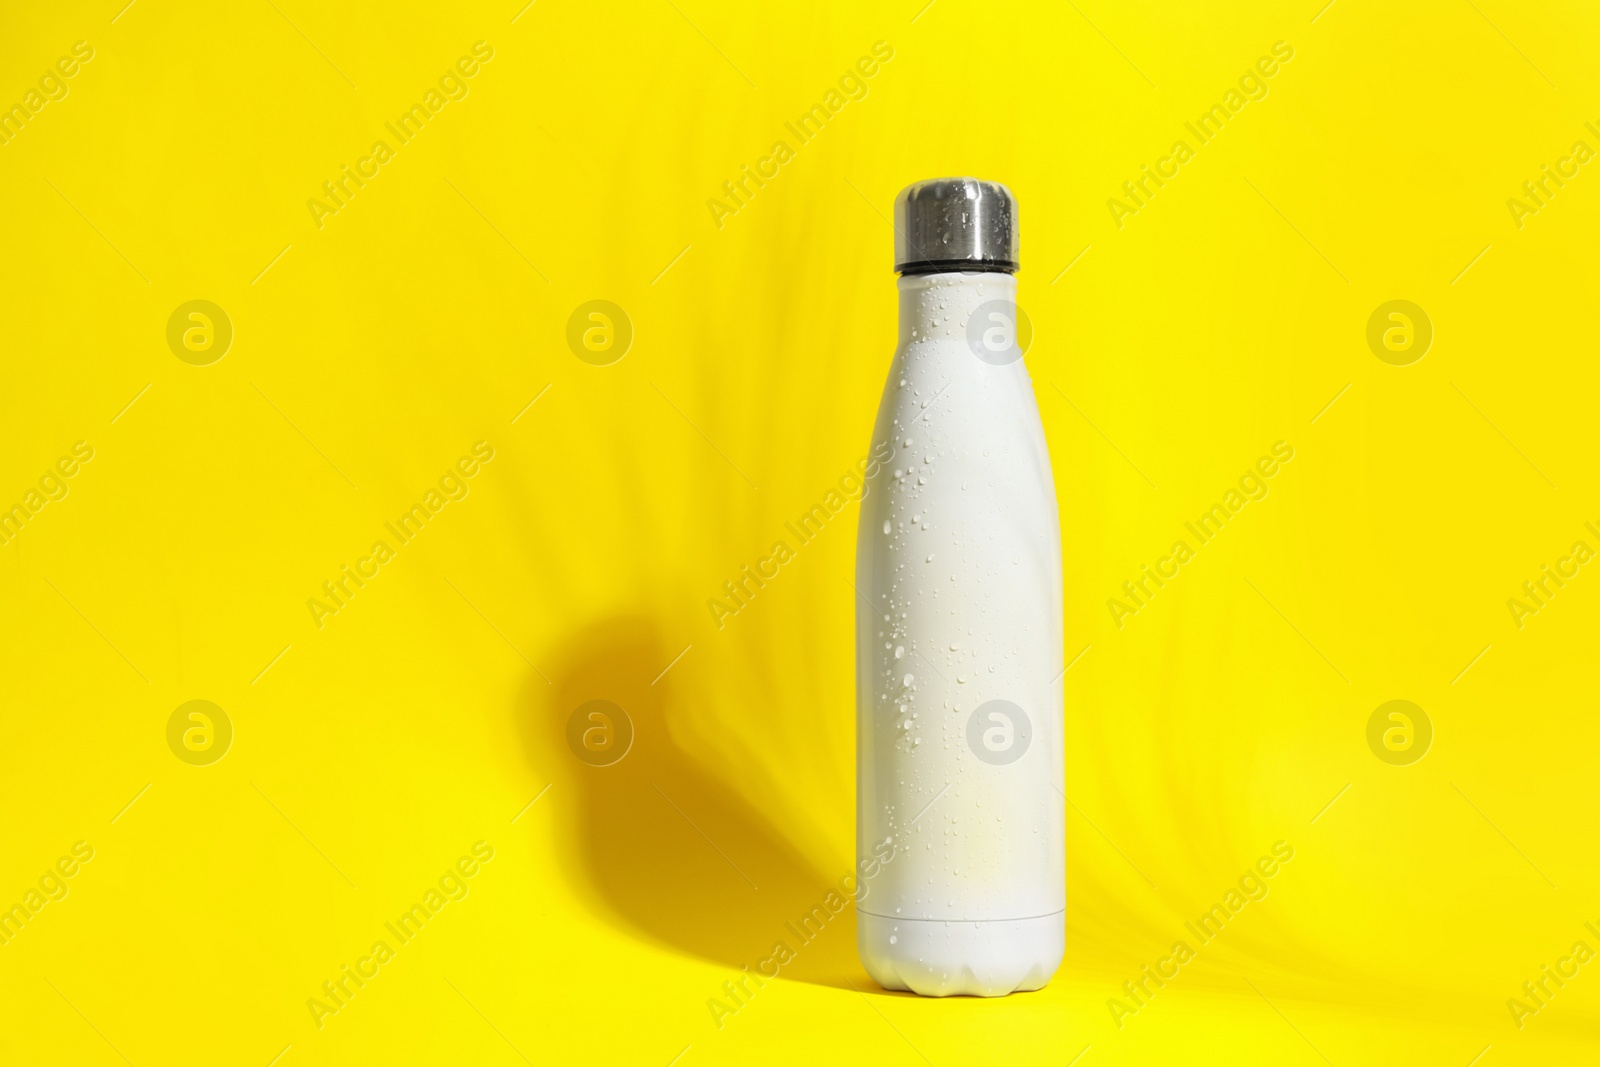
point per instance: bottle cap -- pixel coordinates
(953, 224)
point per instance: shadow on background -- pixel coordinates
(657, 843)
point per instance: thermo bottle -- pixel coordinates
(959, 818)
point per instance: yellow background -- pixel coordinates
(426, 714)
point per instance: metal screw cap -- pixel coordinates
(953, 224)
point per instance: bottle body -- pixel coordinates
(960, 797)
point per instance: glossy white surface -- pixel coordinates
(959, 567)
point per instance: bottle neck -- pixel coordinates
(934, 306)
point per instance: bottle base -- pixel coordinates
(934, 958)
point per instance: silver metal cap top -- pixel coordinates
(950, 224)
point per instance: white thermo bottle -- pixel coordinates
(959, 803)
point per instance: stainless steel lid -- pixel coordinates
(950, 224)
